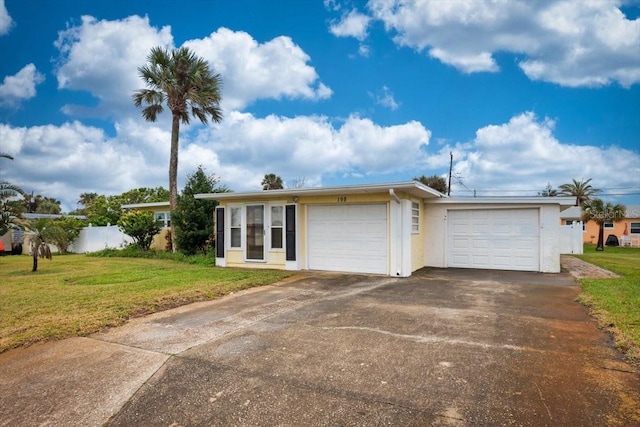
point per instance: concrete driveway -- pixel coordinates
(444, 347)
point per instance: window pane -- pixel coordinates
(235, 237)
(235, 217)
(276, 216)
(635, 228)
(276, 238)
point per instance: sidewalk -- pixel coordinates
(583, 270)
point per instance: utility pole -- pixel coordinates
(450, 169)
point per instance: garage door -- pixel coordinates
(501, 239)
(350, 238)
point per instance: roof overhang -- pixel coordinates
(564, 202)
(413, 188)
(146, 205)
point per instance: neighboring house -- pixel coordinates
(391, 229)
(630, 223)
(17, 240)
(162, 214)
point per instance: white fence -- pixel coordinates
(92, 239)
(571, 238)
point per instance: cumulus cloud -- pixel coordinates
(565, 42)
(251, 70)
(5, 20)
(352, 24)
(20, 86)
(64, 161)
(521, 156)
(102, 57)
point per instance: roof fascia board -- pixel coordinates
(412, 187)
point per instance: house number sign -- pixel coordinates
(342, 199)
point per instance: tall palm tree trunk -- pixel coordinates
(173, 172)
(600, 245)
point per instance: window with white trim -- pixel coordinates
(277, 222)
(608, 224)
(415, 217)
(236, 227)
(634, 228)
(163, 219)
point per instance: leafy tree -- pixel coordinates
(104, 210)
(63, 232)
(548, 191)
(37, 241)
(581, 190)
(141, 226)
(434, 181)
(600, 212)
(144, 195)
(193, 218)
(272, 181)
(186, 84)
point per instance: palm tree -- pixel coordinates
(600, 212)
(37, 242)
(186, 84)
(9, 212)
(272, 181)
(582, 191)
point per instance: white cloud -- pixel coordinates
(571, 43)
(311, 146)
(20, 86)
(102, 57)
(520, 157)
(352, 24)
(64, 161)
(5, 20)
(386, 99)
(251, 70)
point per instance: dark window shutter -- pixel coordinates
(220, 233)
(290, 218)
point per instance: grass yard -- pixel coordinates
(75, 295)
(616, 302)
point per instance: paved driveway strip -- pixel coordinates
(444, 347)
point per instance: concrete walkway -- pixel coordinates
(583, 270)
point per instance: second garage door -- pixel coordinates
(501, 239)
(351, 238)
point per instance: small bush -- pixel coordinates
(133, 251)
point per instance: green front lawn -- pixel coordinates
(75, 295)
(616, 302)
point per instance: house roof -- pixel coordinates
(146, 205)
(412, 187)
(535, 200)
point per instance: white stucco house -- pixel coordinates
(391, 229)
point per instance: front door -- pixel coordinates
(255, 232)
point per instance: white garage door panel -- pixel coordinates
(502, 239)
(349, 238)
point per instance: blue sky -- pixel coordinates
(328, 92)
